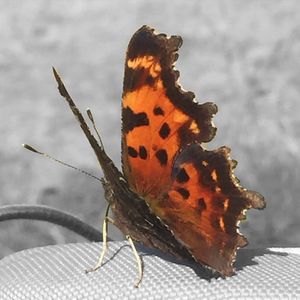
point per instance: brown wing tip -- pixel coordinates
(241, 241)
(255, 199)
(147, 41)
(228, 269)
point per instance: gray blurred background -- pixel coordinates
(243, 55)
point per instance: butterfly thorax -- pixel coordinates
(134, 217)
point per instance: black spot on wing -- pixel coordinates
(132, 152)
(164, 131)
(201, 204)
(215, 222)
(162, 156)
(183, 192)
(182, 176)
(230, 224)
(132, 120)
(150, 80)
(133, 79)
(142, 152)
(158, 111)
(218, 202)
(136, 78)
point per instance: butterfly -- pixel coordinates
(172, 193)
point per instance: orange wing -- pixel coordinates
(205, 204)
(158, 117)
(192, 190)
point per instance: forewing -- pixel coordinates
(159, 117)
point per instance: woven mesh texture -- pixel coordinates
(57, 272)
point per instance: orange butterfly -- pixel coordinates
(173, 194)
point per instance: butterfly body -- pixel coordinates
(133, 216)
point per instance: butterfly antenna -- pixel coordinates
(30, 148)
(90, 115)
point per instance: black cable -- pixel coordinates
(48, 214)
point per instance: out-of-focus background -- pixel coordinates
(243, 55)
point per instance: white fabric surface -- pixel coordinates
(57, 272)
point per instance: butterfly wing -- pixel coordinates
(190, 189)
(205, 204)
(159, 117)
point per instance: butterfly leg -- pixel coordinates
(138, 261)
(106, 220)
